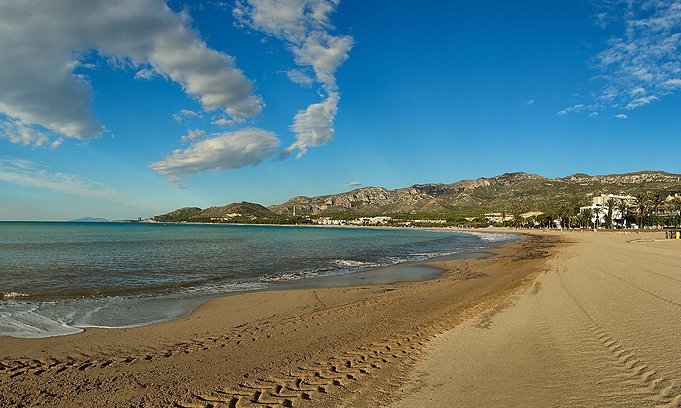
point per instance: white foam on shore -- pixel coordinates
(32, 324)
(495, 236)
(38, 319)
(13, 295)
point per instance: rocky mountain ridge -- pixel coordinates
(508, 192)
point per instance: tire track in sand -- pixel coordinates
(661, 391)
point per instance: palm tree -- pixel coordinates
(518, 220)
(641, 206)
(675, 205)
(656, 203)
(610, 204)
(623, 208)
(585, 217)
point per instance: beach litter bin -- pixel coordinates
(673, 234)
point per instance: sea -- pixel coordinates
(58, 278)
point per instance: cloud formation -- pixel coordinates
(46, 43)
(228, 150)
(641, 63)
(305, 27)
(30, 174)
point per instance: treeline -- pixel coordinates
(647, 209)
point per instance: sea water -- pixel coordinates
(57, 278)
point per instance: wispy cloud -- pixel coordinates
(300, 77)
(31, 174)
(620, 116)
(193, 135)
(228, 150)
(17, 132)
(570, 109)
(145, 74)
(642, 63)
(305, 27)
(644, 100)
(354, 183)
(186, 114)
(45, 42)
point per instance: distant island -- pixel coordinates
(90, 219)
(510, 199)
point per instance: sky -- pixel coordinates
(133, 108)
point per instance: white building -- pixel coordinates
(599, 213)
(602, 199)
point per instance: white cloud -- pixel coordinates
(593, 115)
(570, 109)
(299, 77)
(55, 144)
(324, 53)
(673, 83)
(17, 132)
(354, 183)
(529, 102)
(304, 25)
(192, 135)
(228, 150)
(223, 122)
(621, 116)
(639, 90)
(184, 114)
(45, 42)
(644, 100)
(641, 64)
(31, 174)
(144, 73)
(314, 125)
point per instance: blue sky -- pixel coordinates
(137, 107)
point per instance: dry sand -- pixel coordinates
(600, 328)
(310, 347)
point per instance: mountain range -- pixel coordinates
(509, 192)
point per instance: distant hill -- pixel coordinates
(90, 219)
(509, 192)
(237, 212)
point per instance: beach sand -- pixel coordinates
(343, 346)
(601, 327)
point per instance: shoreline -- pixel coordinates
(182, 305)
(242, 340)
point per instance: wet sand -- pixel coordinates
(340, 346)
(600, 328)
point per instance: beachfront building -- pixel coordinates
(329, 221)
(599, 209)
(602, 200)
(370, 221)
(599, 215)
(498, 218)
(429, 221)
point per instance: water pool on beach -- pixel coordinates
(56, 278)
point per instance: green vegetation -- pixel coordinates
(465, 203)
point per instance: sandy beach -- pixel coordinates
(599, 328)
(314, 347)
(558, 319)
